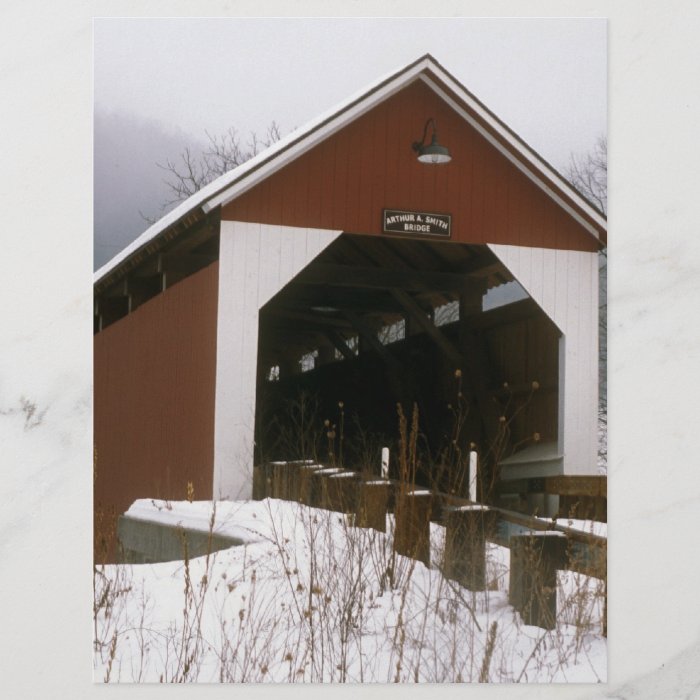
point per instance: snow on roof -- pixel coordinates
(229, 185)
(159, 226)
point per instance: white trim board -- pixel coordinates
(564, 283)
(255, 262)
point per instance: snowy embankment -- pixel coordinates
(311, 598)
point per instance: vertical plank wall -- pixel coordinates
(345, 181)
(154, 377)
(255, 262)
(565, 284)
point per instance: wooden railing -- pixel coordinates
(538, 547)
(584, 497)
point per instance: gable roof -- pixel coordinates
(237, 181)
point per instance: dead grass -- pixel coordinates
(346, 606)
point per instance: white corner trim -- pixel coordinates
(564, 283)
(255, 262)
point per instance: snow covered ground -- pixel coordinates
(311, 598)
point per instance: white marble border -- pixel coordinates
(654, 484)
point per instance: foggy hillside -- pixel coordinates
(127, 181)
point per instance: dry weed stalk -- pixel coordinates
(348, 607)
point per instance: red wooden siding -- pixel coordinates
(521, 353)
(344, 182)
(155, 374)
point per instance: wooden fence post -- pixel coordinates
(317, 492)
(280, 480)
(466, 533)
(301, 486)
(372, 503)
(262, 481)
(534, 560)
(412, 533)
(341, 492)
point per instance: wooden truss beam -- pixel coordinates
(470, 356)
(305, 297)
(369, 336)
(591, 486)
(339, 342)
(401, 384)
(424, 323)
(382, 254)
(380, 278)
(293, 320)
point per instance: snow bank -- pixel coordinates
(230, 518)
(315, 599)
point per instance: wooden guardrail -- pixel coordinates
(584, 497)
(538, 547)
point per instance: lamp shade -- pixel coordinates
(434, 152)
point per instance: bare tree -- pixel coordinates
(190, 172)
(589, 174)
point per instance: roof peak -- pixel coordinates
(231, 184)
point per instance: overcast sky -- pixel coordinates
(159, 84)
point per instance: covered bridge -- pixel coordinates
(348, 264)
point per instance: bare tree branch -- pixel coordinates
(589, 174)
(224, 152)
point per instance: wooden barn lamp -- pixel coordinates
(433, 153)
